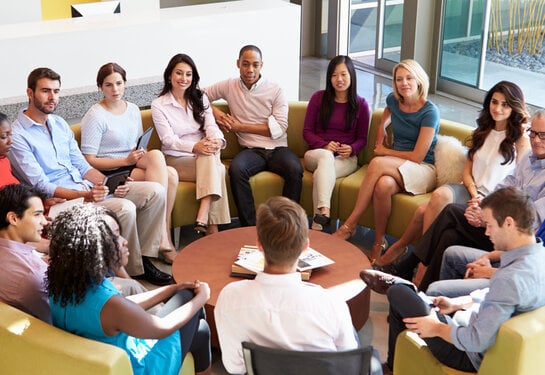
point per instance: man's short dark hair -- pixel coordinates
(250, 47)
(14, 198)
(40, 73)
(282, 230)
(512, 202)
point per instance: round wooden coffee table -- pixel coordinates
(210, 258)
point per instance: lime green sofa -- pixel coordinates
(266, 184)
(517, 350)
(31, 346)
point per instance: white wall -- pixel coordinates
(15, 11)
(144, 42)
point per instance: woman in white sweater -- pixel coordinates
(109, 131)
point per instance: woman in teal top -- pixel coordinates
(85, 245)
(408, 164)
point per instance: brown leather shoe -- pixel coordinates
(380, 282)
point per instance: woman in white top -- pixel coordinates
(191, 140)
(109, 132)
(496, 145)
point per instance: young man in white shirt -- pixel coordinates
(277, 309)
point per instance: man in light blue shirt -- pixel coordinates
(45, 154)
(516, 287)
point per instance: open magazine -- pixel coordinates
(250, 261)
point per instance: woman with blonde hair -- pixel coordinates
(408, 165)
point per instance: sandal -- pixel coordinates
(344, 232)
(383, 246)
(200, 228)
(167, 255)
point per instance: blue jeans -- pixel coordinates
(251, 161)
(453, 268)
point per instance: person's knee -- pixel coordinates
(385, 187)
(172, 176)
(441, 196)
(238, 171)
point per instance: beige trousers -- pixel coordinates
(326, 168)
(208, 173)
(141, 214)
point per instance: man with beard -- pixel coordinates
(45, 154)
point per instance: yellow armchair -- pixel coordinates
(517, 350)
(31, 346)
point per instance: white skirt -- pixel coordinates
(418, 178)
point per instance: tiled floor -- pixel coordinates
(374, 88)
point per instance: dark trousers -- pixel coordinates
(251, 161)
(405, 303)
(195, 334)
(450, 228)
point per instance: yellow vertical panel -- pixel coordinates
(55, 9)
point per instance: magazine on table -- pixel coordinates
(250, 261)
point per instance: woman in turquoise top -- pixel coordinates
(408, 164)
(85, 245)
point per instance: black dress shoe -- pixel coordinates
(322, 219)
(153, 274)
(380, 282)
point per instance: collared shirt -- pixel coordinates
(47, 159)
(177, 127)
(516, 287)
(263, 103)
(529, 176)
(22, 275)
(280, 311)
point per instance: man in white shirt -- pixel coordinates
(277, 309)
(259, 117)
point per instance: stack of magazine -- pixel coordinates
(250, 261)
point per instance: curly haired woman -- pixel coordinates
(85, 245)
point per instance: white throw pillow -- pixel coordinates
(450, 158)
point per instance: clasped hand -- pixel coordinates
(207, 146)
(228, 123)
(341, 149)
(473, 213)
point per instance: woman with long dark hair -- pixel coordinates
(191, 140)
(336, 125)
(86, 244)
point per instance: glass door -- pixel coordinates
(375, 32)
(463, 43)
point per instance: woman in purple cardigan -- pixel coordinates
(336, 125)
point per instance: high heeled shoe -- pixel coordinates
(344, 232)
(383, 246)
(200, 228)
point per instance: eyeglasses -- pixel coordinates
(533, 133)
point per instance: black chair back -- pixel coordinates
(260, 360)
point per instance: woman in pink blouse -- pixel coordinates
(191, 140)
